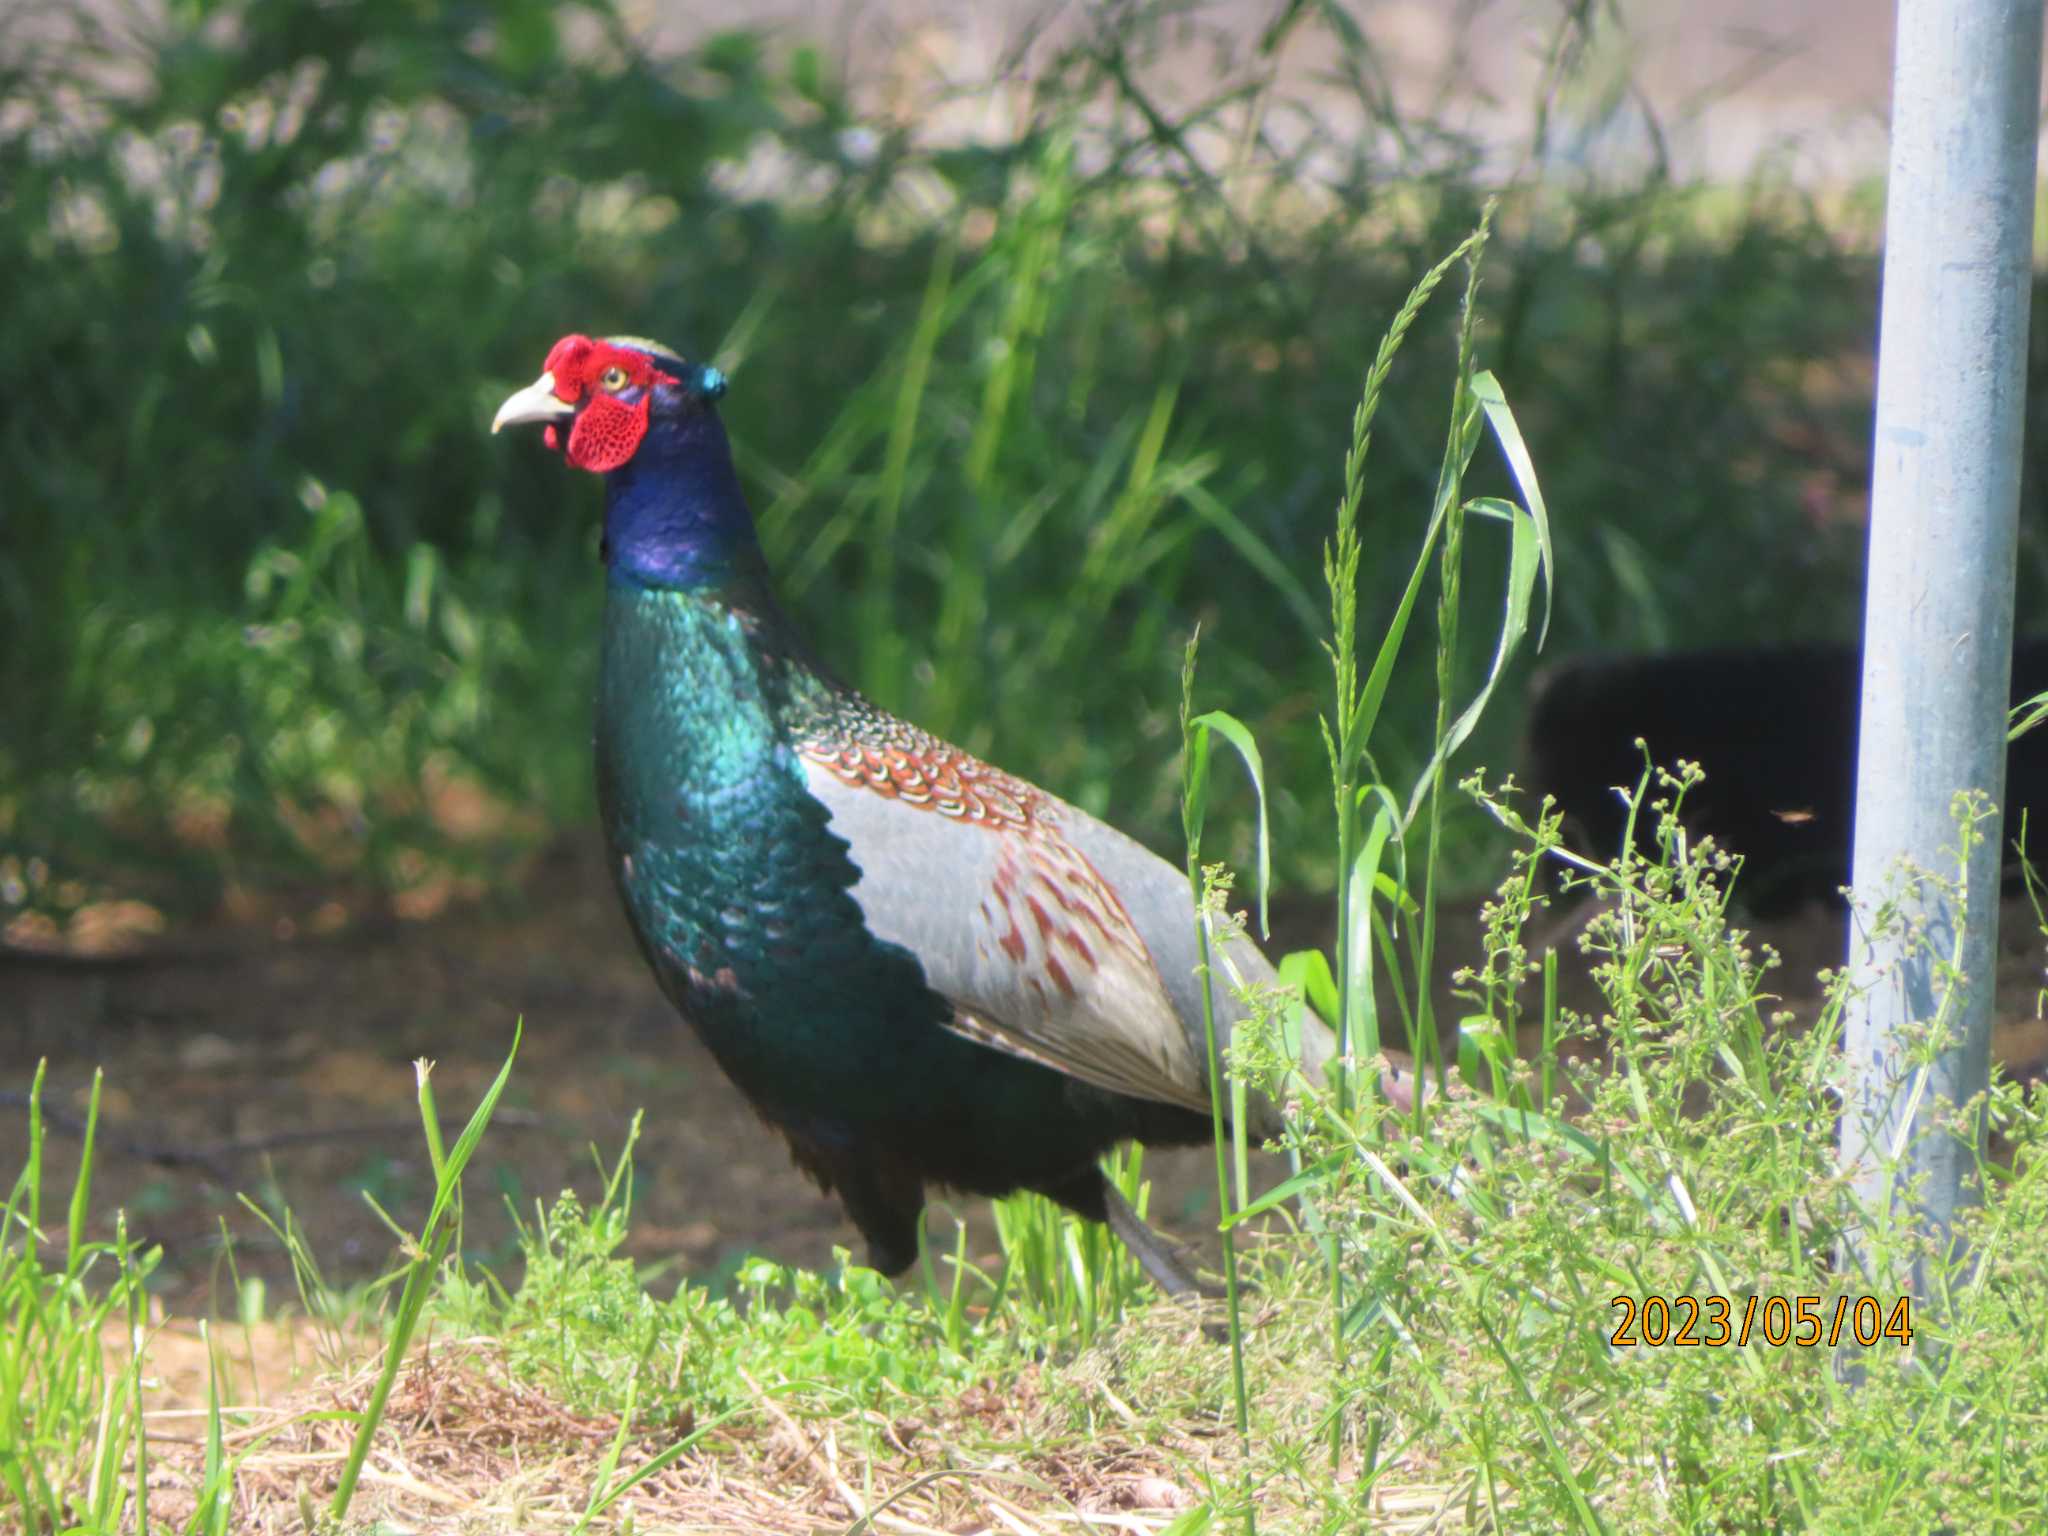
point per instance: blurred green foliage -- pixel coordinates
(1015, 416)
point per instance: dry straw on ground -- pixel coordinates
(465, 1449)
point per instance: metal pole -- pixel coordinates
(1937, 639)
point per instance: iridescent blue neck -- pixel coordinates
(674, 515)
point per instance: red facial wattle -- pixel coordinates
(606, 432)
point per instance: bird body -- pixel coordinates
(920, 969)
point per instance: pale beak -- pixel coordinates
(537, 402)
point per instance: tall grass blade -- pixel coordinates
(1486, 390)
(1524, 567)
(427, 1252)
(1194, 811)
(81, 1188)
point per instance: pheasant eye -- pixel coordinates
(613, 378)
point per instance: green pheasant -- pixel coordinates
(920, 969)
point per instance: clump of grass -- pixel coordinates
(1061, 1282)
(1675, 1140)
(67, 1424)
(581, 1322)
(74, 1453)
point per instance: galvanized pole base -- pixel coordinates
(1959, 227)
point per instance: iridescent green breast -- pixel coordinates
(740, 893)
(733, 883)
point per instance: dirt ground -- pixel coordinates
(241, 1061)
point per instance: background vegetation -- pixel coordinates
(1015, 415)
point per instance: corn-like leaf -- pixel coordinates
(1525, 563)
(1233, 730)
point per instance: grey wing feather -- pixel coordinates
(1070, 944)
(1008, 930)
(1162, 909)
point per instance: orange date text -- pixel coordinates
(1713, 1322)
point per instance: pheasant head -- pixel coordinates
(640, 415)
(609, 391)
